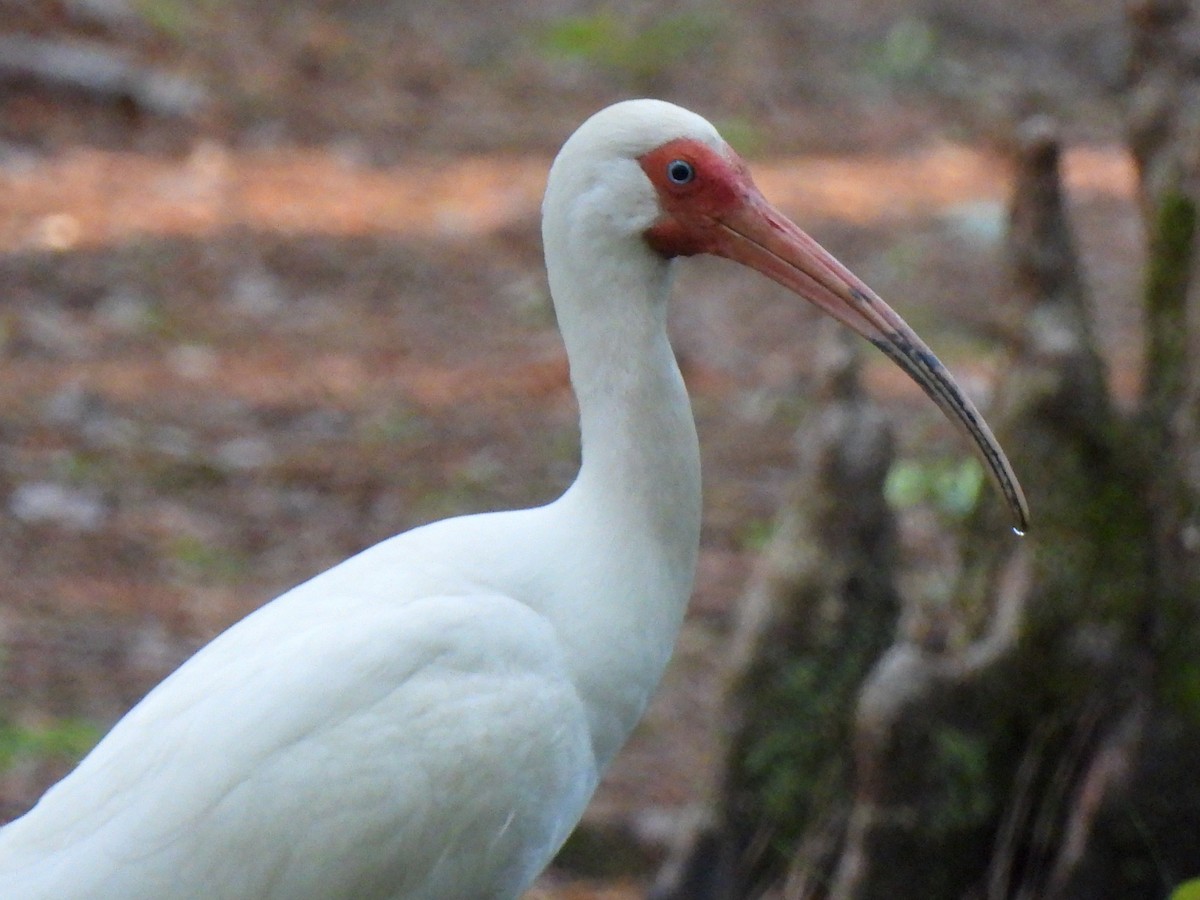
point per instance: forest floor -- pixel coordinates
(240, 344)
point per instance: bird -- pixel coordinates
(428, 719)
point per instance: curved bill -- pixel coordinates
(755, 234)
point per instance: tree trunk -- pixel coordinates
(820, 609)
(1054, 754)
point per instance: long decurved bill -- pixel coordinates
(757, 235)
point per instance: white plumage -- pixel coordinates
(429, 718)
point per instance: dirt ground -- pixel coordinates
(241, 341)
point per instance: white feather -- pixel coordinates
(429, 718)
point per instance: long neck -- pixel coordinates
(640, 457)
(634, 510)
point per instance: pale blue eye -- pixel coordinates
(680, 171)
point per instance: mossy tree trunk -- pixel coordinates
(820, 609)
(1054, 753)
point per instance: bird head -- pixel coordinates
(651, 174)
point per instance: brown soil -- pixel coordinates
(243, 346)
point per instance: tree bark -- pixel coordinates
(821, 607)
(1053, 754)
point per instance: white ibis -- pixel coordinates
(429, 718)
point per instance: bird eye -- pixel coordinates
(680, 171)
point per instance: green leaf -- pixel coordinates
(1189, 890)
(952, 486)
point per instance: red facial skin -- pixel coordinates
(690, 224)
(720, 211)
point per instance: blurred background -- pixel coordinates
(271, 290)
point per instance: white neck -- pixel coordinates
(640, 455)
(630, 524)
